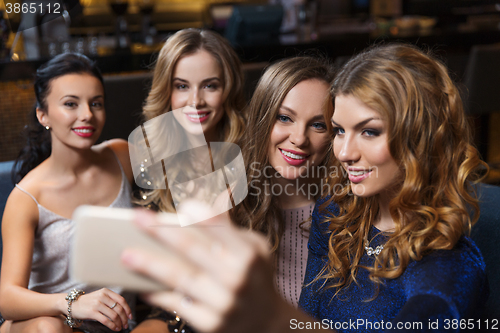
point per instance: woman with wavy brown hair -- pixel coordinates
(395, 236)
(285, 148)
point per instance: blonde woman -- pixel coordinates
(198, 75)
(198, 72)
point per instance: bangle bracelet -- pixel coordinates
(71, 297)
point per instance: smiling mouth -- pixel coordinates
(358, 172)
(197, 115)
(292, 155)
(83, 130)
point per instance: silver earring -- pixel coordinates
(47, 127)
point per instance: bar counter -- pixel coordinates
(126, 70)
(450, 45)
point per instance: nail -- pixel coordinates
(144, 218)
(130, 258)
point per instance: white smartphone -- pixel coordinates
(101, 234)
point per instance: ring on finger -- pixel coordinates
(112, 306)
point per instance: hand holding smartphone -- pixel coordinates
(101, 234)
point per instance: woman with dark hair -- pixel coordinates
(388, 248)
(59, 170)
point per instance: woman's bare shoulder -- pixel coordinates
(120, 148)
(34, 180)
(20, 205)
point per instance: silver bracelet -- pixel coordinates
(71, 297)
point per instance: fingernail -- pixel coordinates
(130, 316)
(126, 326)
(144, 218)
(130, 258)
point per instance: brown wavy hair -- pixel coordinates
(430, 138)
(259, 210)
(182, 43)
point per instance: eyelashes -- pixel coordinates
(321, 126)
(94, 105)
(337, 131)
(209, 86)
(283, 118)
(369, 132)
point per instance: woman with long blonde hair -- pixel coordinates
(198, 79)
(198, 73)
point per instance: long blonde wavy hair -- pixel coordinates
(182, 43)
(430, 138)
(259, 210)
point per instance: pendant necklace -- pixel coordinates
(370, 250)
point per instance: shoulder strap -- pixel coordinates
(23, 190)
(118, 160)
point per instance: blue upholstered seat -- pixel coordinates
(486, 234)
(6, 187)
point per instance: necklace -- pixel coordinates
(370, 250)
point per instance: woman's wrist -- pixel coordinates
(61, 304)
(72, 297)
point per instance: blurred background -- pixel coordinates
(124, 36)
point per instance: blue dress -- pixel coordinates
(439, 293)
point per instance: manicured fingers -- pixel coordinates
(112, 315)
(180, 276)
(163, 269)
(119, 315)
(192, 243)
(221, 250)
(209, 244)
(119, 300)
(114, 307)
(103, 318)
